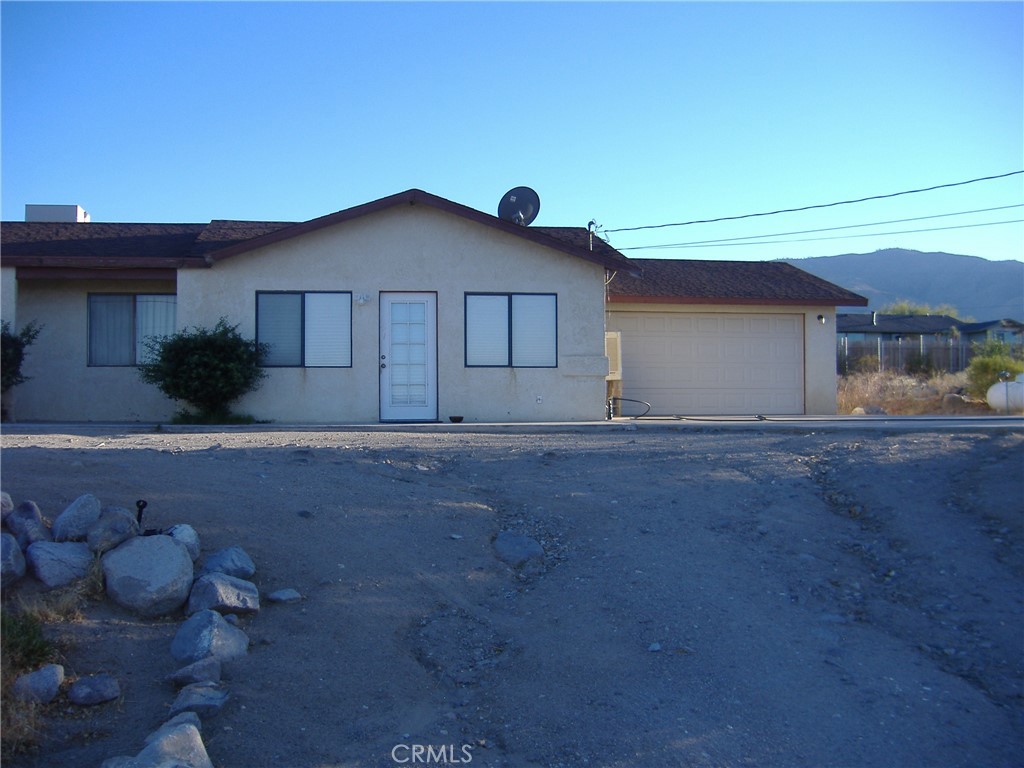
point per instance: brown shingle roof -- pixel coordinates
(103, 245)
(62, 244)
(579, 237)
(222, 233)
(172, 246)
(726, 282)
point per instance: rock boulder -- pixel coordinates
(12, 561)
(114, 526)
(73, 523)
(517, 549)
(231, 560)
(185, 534)
(224, 594)
(58, 563)
(41, 686)
(207, 635)
(94, 689)
(27, 524)
(150, 575)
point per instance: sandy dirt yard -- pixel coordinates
(707, 597)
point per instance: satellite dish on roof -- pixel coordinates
(520, 206)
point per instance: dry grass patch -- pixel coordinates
(900, 394)
(24, 647)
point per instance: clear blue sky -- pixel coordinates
(631, 114)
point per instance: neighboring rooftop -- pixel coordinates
(915, 325)
(874, 322)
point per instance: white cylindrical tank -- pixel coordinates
(1007, 396)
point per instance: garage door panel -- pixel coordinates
(760, 326)
(714, 363)
(735, 349)
(789, 325)
(709, 325)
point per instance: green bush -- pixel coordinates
(991, 358)
(207, 368)
(12, 352)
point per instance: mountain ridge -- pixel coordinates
(977, 288)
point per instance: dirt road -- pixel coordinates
(706, 597)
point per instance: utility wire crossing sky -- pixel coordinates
(761, 238)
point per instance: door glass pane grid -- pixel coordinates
(408, 353)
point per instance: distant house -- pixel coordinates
(862, 326)
(870, 340)
(1009, 331)
(412, 308)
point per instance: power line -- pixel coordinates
(823, 229)
(822, 205)
(839, 237)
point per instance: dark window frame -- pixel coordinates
(302, 328)
(134, 295)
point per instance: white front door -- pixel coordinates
(408, 357)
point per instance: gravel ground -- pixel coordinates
(707, 597)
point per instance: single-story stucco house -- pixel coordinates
(412, 308)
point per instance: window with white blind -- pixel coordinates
(518, 330)
(305, 329)
(121, 324)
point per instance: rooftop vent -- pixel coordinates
(69, 213)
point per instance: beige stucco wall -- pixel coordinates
(414, 248)
(819, 343)
(9, 295)
(61, 386)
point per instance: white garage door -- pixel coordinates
(714, 363)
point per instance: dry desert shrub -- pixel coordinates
(900, 394)
(24, 646)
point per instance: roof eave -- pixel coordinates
(101, 262)
(619, 298)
